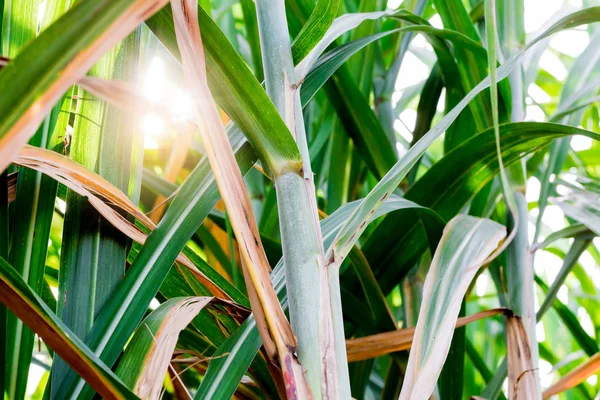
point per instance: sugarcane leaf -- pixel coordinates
(196, 197)
(320, 20)
(577, 248)
(355, 226)
(380, 344)
(583, 207)
(575, 230)
(30, 308)
(465, 245)
(575, 377)
(572, 323)
(34, 211)
(61, 54)
(325, 66)
(237, 91)
(340, 26)
(148, 354)
(99, 192)
(577, 79)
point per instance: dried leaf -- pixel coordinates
(381, 344)
(521, 373)
(575, 377)
(148, 354)
(103, 196)
(278, 334)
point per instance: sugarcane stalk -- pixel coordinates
(313, 290)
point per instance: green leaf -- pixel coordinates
(326, 65)
(249, 10)
(355, 226)
(52, 62)
(30, 308)
(589, 345)
(321, 18)
(576, 230)
(93, 252)
(34, 207)
(237, 92)
(464, 247)
(448, 186)
(576, 81)
(576, 250)
(472, 69)
(584, 207)
(117, 320)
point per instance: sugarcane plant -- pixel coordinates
(215, 200)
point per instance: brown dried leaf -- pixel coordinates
(103, 196)
(575, 377)
(276, 332)
(381, 344)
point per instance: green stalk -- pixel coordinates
(313, 291)
(519, 265)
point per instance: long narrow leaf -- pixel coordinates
(384, 343)
(30, 308)
(355, 225)
(464, 247)
(280, 341)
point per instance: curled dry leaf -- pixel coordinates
(103, 196)
(575, 377)
(148, 355)
(521, 374)
(381, 344)
(276, 333)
